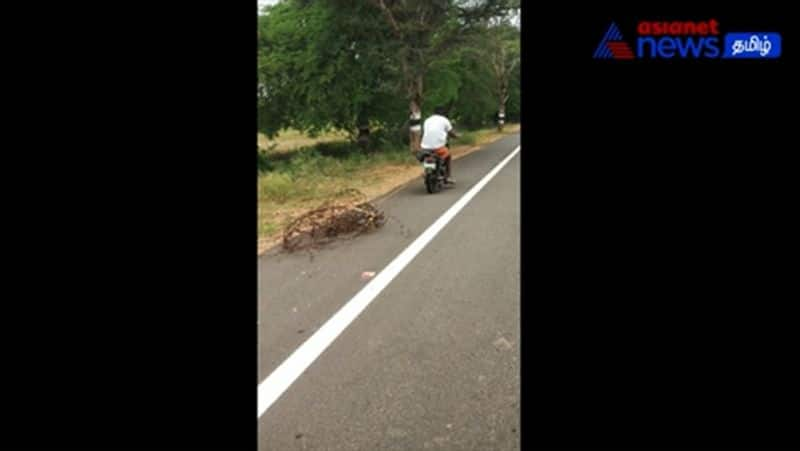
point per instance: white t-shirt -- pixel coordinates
(434, 132)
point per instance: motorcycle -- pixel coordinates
(433, 171)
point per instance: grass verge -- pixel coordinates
(296, 180)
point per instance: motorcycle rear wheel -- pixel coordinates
(432, 183)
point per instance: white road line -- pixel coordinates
(276, 383)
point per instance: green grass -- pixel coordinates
(288, 140)
(301, 180)
(267, 228)
(301, 174)
(297, 180)
(468, 138)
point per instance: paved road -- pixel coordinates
(433, 362)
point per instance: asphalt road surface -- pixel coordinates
(433, 361)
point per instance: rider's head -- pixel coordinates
(440, 110)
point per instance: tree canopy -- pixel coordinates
(348, 64)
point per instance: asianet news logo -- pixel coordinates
(687, 40)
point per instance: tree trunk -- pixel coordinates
(415, 126)
(363, 137)
(501, 116)
(415, 112)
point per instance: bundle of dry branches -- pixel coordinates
(346, 216)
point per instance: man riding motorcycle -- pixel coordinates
(435, 131)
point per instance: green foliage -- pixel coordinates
(475, 105)
(514, 104)
(322, 70)
(467, 138)
(264, 163)
(338, 64)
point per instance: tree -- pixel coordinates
(423, 32)
(463, 84)
(503, 52)
(319, 69)
(352, 64)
